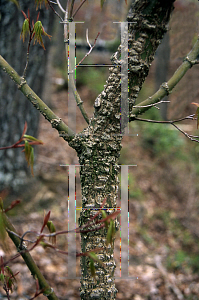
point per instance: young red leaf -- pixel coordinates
(46, 219)
(24, 14)
(2, 266)
(12, 205)
(38, 16)
(25, 128)
(38, 3)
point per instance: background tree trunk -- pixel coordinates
(14, 108)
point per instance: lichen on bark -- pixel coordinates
(99, 145)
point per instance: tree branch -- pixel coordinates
(78, 8)
(61, 8)
(79, 102)
(71, 9)
(48, 291)
(190, 117)
(48, 114)
(167, 87)
(193, 138)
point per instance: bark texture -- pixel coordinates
(98, 146)
(14, 108)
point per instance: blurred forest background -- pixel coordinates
(163, 188)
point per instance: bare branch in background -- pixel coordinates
(91, 47)
(60, 6)
(78, 8)
(193, 138)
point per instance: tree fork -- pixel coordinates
(99, 145)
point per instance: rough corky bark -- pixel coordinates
(98, 146)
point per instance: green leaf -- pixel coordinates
(32, 160)
(1, 204)
(52, 229)
(111, 233)
(2, 231)
(10, 284)
(25, 29)
(104, 215)
(38, 31)
(2, 277)
(51, 226)
(9, 271)
(94, 257)
(31, 138)
(27, 150)
(92, 267)
(29, 154)
(102, 3)
(46, 219)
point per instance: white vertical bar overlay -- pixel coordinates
(124, 222)
(71, 78)
(71, 224)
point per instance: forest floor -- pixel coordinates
(163, 213)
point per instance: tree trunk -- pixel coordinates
(99, 145)
(14, 108)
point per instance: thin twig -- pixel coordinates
(71, 9)
(28, 50)
(91, 48)
(49, 2)
(190, 117)
(76, 94)
(153, 104)
(66, 37)
(79, 101)
(171, 284)
(55, 121)
(172, 122)
(186, 134)
(60, 6)
(78, 8)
